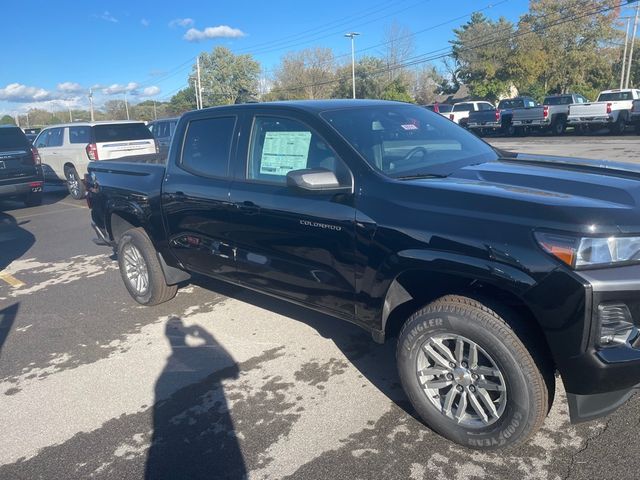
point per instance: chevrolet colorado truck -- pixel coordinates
(635, 115)
(493, 270)
(550, 116)
(611, 110)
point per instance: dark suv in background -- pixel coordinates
(163, 131)
(20, 171)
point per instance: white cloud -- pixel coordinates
(181, 22)
(16, 92)
(118, 89)
(144, 22)
(149, 91)
(106, 16)
(70, 87)
(221, 31)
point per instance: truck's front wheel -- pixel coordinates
(141, 270)
(469, 376)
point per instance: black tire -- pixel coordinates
(618, 127)
(558, 126)
(75, 185)
(527, 389)
(33, 199)
(157, 291)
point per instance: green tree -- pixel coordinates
(369, 79)
(427, 83)
(7, 120)
(226, 77)
(183, 101)
(566, 55)
(308, 74)
(481, 50)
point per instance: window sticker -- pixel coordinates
(284, 151)
(410, 126)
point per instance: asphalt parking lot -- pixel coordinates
(225, 383)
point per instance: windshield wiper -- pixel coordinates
(422, 175)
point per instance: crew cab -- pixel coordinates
(460, 112)
(503, 116)
(551, 115)
(612, 110)
(493, 270)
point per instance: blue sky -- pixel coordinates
(145, 48)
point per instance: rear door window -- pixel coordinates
(207, 146)
(120, 132)
(56, 137)
(12, 138)
(80, 134)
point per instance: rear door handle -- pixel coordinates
(248, 208)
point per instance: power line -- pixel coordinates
(425, 57)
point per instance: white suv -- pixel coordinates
(66, 150)
(460, 111)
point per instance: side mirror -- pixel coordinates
(315, 180)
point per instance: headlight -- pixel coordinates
(591, 251)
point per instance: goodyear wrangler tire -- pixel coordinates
(469, 376)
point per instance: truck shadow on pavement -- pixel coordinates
(14, 240)
(375, 362)
(185, 445)
(7, 317)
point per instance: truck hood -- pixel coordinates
(570, 194)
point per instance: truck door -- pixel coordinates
(195, 197)
(293, 244)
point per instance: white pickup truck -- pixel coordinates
(460, 112)
(612, 109)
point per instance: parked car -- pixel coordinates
(460, 112)
(500, 118)
(66, 150)
(496, 269)
(556, 111)
(163, 132)
(442, 108)
(635, 115)
(612, 110)
(20, 172)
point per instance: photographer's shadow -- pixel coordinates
(193, 433)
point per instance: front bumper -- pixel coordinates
(601, 379)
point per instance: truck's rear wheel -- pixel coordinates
(558, 126)
(617, 128)
(140, 269)
(469, 376)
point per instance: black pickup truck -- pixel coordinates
(494, 270)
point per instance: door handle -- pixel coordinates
(248, 208)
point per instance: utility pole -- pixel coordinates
(17, 119)
(155, 112)
(91, 104)
(198, 84)
(633, 40)
(28, 125)
(352, 36)
(624, 55)
(126, 105)
(70, 116)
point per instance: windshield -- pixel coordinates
(444, 108)
(406, 140)
(12, 138)
(615, 96)
(117, 132)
